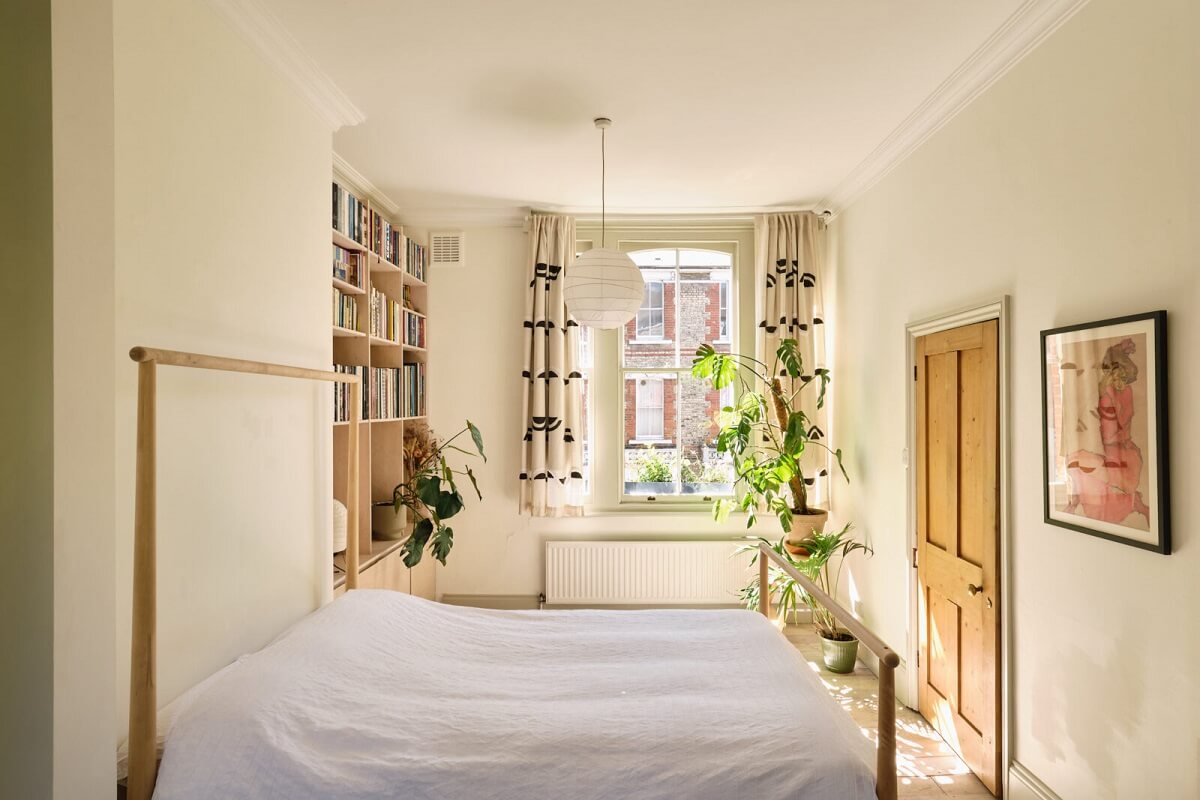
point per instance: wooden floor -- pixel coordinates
(926, 766)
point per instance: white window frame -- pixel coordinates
(640, 404)
(661, 308)
(724, 318)
(678, 501)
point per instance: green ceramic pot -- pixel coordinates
(839, 655)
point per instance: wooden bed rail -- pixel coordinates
(885, 754)
(143, 699)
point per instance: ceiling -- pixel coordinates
(717, 106)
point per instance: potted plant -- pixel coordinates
(766, 434)
(430, 493)
(839, 648)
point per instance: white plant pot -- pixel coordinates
(387, 523)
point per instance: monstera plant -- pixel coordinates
(431, 492)
(766, 433)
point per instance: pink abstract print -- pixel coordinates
(1104, 426)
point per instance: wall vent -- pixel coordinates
(446, 249)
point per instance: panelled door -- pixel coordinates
(958, 540)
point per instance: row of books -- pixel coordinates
(341, 393)
(414, 329)
(346, 266)
(414, 390)
(349, 214)
(345, 310)
(385, 393)
(387, 241)
(385, 316)
(415, 259)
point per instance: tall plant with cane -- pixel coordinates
(765, 431)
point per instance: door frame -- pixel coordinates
(999, 311)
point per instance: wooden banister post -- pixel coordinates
(353, 489)
(885, 755)
(143, 700)
(764, 581)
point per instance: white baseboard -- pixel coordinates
(504, 602)
(1024, 785)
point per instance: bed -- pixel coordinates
(453, 703)
(383, 695)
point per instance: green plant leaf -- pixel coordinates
(448, 475)
(477, 437)
(724, 371)
(429, 488)
(721, 509)
(414, 548)
(442, 541)
(796, 436)
(474, 483)
(448, 504)
(702, 364)
(788, 354)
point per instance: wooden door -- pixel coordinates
(958, 540)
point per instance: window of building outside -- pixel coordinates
(668, 439)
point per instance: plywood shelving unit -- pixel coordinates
(392, 266)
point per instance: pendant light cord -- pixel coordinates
(603, 197)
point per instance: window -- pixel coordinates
(650, 315)
(723, 312)
(649, 408)
(669, 429)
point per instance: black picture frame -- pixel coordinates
(1159, 518)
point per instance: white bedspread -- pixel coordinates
(382, 695)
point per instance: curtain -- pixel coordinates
(552, 455)
(789, 274)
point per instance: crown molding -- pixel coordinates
(266, 33)
(466, 217)
(353, 179)
(1020, 34)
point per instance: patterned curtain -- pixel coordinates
(551, 458)
(789, 271)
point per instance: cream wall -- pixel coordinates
(85, 487)
(215, 185)
(1073, 186)
(476, 342)
(26, 402)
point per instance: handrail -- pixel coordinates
(885, 754)
(143, 671)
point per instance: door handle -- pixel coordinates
(973, 590)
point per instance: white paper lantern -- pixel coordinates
(603, 288)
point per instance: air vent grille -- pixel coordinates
(446, 249)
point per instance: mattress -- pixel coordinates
(384, 695)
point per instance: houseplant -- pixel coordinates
(766, 434)
(839, 648)
(430, 492)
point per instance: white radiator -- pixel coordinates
(645, 573)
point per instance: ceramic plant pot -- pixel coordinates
(387, 524)
(839, 655)
(803, 526)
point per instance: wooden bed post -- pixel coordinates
(352, 456)
(143, 704)
(764, 584)
(143, 680)
(885, 754)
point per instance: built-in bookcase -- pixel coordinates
(380, 299)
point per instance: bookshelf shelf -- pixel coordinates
(342, 240)
(348, 288)
(375, 295)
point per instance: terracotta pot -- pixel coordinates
(803, 526)
(387, 524)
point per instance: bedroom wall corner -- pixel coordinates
(222, 219)
(26, 404)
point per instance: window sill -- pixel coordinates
(651, 341)
(649, 442)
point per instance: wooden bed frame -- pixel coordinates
(143, 699)
(885, 753)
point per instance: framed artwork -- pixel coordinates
(1104, 425)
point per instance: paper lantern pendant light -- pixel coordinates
(603, 288)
